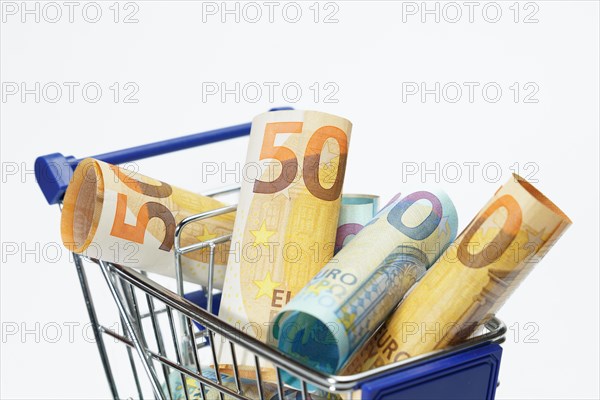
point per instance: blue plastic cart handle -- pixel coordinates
(54, 171)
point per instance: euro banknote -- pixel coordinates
(357, 210)
(353, 294)
(119, 216)
(287, 216)
(472, 279)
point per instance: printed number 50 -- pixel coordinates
(312, 159)
(147, 211)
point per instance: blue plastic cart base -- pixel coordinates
(471, 374)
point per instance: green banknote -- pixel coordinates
(357, 210)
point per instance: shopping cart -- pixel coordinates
(161, 326)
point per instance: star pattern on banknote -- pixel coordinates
(330, 152)
(262, 235)
(206, 235)
(266, 286)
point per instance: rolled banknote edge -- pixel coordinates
(102, 202)
(356, 210)
(532, 190)
(285, 113)
(334, 356)
(84, 197)
(359, 198)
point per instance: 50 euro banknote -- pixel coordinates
(472, 279)
(120, 216)
(287, 217)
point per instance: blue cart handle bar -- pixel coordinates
(54, 171)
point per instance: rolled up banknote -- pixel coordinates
(354, 293)
(357, 210)
(248, 387)
(287, 217)
(126, 218)
(472, 279)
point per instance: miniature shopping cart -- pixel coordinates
(167, 334)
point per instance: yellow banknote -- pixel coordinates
(287, 216)
(472, 279)
(126, 218)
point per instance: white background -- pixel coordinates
(551, 351)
